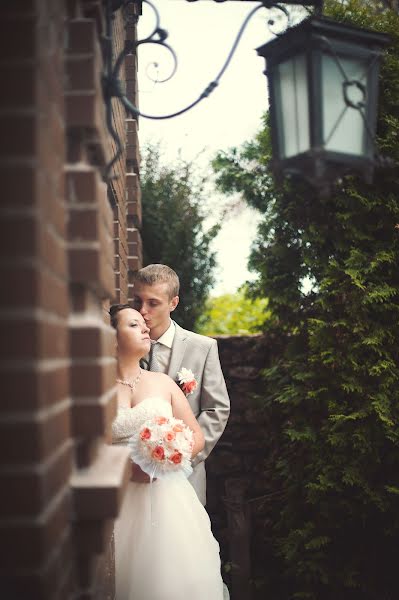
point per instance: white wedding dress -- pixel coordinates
(164, 547)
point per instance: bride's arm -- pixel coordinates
(182, 410)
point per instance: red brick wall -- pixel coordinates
(119, 183)
(134, 217)
(126, 188)
(67, 243)
(35, 437)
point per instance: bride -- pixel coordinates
(164, 547)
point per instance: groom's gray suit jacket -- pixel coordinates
(210, 401)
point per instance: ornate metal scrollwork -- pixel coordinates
(112, 85)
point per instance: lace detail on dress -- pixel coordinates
(128, 420)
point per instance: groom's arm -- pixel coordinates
(214, 403)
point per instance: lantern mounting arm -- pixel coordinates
(112, 85)
(209, 88)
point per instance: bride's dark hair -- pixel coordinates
(114, 309)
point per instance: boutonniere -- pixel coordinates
(187, 381)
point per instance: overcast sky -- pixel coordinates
(202, 33)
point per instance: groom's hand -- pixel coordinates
(138, 475)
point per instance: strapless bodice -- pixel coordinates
(128, 420)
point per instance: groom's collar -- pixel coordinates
(167, 338)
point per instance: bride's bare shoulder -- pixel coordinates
(153, 374)
(160, 378)
(165, 379)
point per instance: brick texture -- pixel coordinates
(68, 241)
(36, 443)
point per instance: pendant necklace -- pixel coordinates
(131, 384)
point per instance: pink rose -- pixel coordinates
(176, 457)
(145, 434)
(161, 420)
(169, 436)
(189, 386)
(158, 453)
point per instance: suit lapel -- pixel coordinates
(178, 349)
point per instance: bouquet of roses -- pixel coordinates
(162, 446)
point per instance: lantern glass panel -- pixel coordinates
(294, 98)
(343, 126)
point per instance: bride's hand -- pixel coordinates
(138, 475)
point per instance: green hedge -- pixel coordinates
(332, 392)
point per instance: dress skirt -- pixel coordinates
(164, 546)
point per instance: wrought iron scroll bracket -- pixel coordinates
(111, 83)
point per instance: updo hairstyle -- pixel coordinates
(113, 313)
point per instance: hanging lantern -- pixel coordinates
(323, 88)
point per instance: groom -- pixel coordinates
(155, 296)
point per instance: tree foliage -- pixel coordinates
(332, 391)
(233, 314)
(173, 229)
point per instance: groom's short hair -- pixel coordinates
(157, 273)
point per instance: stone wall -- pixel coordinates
(237, 490)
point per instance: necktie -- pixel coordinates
(153, 364)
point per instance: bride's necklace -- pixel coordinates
(131, 384)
